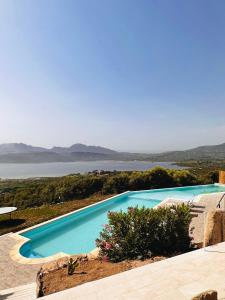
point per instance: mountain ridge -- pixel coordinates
(23, 153)
(83, 148)
(25, 148)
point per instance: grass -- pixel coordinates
(22, 219)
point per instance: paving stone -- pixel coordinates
(13, 273)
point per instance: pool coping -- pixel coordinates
(179, 187)
(21, 240)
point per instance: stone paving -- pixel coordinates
(12, 273)
(22, 292)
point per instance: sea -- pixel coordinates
(29, 170)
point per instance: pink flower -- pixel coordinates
(108, 246)
(105, 258)
(108, 227)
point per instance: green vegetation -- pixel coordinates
(143, 232)
(72, 265)
(41, 199)
(24, 218)
(34, 193)
(207, 171)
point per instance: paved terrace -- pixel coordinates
(13, 274)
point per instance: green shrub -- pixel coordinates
(31, 192)
(160, 178)
(116, 184)
(142, 232)
(212, 177)
(184, 178)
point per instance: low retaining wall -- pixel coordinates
(222, 177)
(214, 232)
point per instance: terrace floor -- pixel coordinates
(12, 273)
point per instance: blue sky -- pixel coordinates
(130, 75)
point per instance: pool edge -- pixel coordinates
(21, 240)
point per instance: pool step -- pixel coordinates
(199, 211)
(198, 206)
(194, 215)
(22, 292)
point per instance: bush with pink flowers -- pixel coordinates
(143, 232)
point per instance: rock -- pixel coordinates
(93, 254)
(49, 267)
(39, 281)
(214, 232)
(80, 258)
(62, 262)
(207, 295)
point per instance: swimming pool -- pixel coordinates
(76, 232)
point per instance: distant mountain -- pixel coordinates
(210, 149)
(202, 152)
(19, 148)
(23, 148)
(83, 148)
(22, 153)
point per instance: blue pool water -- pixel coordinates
(77, 232)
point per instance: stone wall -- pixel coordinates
(207, 295)
(222, 177)
(214, 232)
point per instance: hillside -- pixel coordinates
(203, 152)
(81, 148)
(19, 148)
(22, 153)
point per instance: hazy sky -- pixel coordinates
(137, 75)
